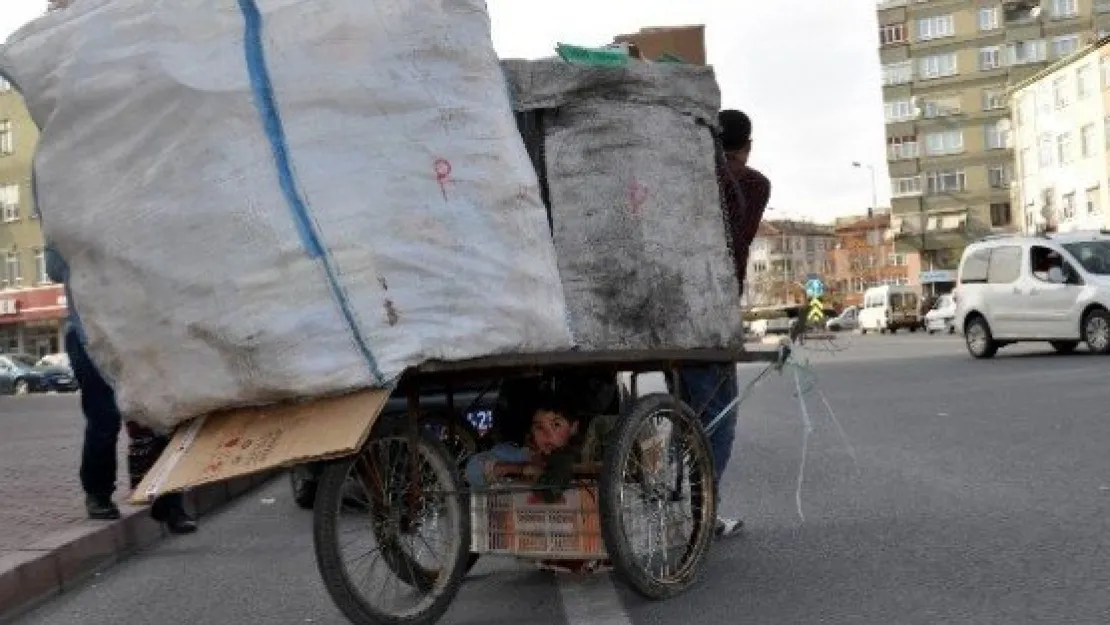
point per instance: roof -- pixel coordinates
(857, 223)
(1060, 64)
(793, 228)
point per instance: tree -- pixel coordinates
(57, 5)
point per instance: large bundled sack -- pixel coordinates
(261, 200)
(630, 163)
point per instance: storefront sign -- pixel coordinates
(937, 276)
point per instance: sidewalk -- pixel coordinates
(47, 545)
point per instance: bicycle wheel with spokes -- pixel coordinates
(657, 497)
(379, 560)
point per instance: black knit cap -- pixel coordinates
(736, 130)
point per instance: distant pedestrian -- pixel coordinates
(102, 428)
(746, 194)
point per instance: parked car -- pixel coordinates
(18, 375)
(845, 321)
(57, 374)
(1053, 288)
(941, 318)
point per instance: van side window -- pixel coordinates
(974, 269)
(1005, 265)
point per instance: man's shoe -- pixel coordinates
(727, 528)
(101, 508)
(176, 519)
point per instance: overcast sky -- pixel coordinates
(806, 71)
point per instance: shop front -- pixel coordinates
(32, 320)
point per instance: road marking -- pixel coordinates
(591, 600)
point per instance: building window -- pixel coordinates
(905, 187)
(935, 27)
(892, 33)
(995, 136)
(899, 110)
(1044, 147)
(945, 181)
(901, 148)
(946, 142)
(9, 202)
(990, 58)
(1060, 93)
(1064, 8)
(1068, 208)
(1028, 165)
(7, 141)
(1063, 148)
(1022, 52)
(989, 18)
(12, 277)
(1087, 140)
(942, 106)
(1000, 214)
(998, 176)
(938, 65)
(1085, 81)
(896, 260)
(898, 73)
(994, 99)
(1065, 45)
(40, 267)
(5, 86)
(1094, 205)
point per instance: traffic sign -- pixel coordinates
(815, 287)
(816, 310)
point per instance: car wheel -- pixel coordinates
(980, 341)
(1096, 331)
(22, 387)
(1064, 347)
(931, 331)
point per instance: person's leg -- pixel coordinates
(102, 426)
(710, 390)
(143, 451)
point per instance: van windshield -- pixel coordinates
(1093, 255)
(903, 301)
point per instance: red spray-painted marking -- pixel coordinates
(637, 197)
(443, 174)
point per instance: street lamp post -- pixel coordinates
(874, 191)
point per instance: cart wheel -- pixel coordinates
(658, 503)
(421, 574)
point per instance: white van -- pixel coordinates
(889, 309)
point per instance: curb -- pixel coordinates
(65, 559)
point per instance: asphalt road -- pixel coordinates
(978, 494)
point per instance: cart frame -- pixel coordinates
(393, 511)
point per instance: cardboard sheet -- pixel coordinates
(242, 442)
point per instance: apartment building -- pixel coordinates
(865, 256)
(32, 309)
(782, 255)
(1061, 132)
(946, 68)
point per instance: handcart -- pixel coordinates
(649, 507)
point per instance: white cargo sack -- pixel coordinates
(261, 200)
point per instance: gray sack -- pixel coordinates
(629, 160)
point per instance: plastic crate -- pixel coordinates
(521, 524)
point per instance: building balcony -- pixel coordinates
(931, 232)
(1102, 6)
(890, 4)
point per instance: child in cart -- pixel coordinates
(559, 438)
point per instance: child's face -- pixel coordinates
(551, 431)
